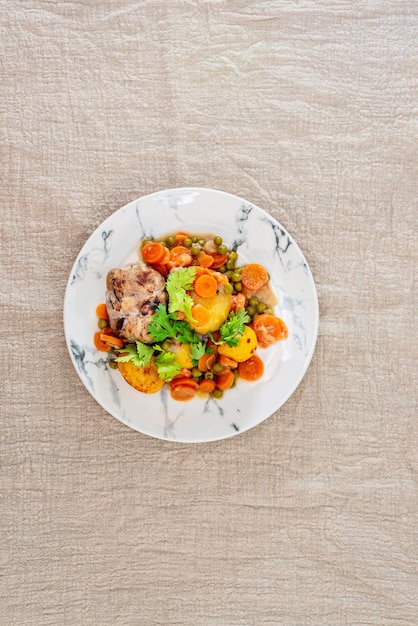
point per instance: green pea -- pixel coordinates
(196, 373)
(217, 368)
(233, 255)
(170, 241)
(250, 310)
(229, 274)
(222, 249)
(195, 239)
(166, 344)
(217, 240)
(230, 264)
(187, 242)
(228, 288)
(261, 307)
(236, 277)
(238, 286)
(201, 242)
(209, 375)
(269, 311)
(195, 249)
(102, 323)
(217, 393)
(222, 269)
(253, 300)
(113, 364)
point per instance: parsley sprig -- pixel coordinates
(233, 328)
(141, 355)
(177, 285)
(165, 325)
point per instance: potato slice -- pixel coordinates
(218, 306)
(144, 379)
(245, 348)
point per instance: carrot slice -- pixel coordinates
(163, 269)
(182, 393)
(269, 329)
(227, 361)
(166, 256)
(218, 260)
(181, 379)
(206, 286)
(200, 314)
(180, 257)
(251, 369)
(99, 344)
(180, 237)
(101, 311)
(206, 362)
(225, 379)
(153, 252)
(238, 301)
(205, 260)
(115, 342)
(254, 276)
(207, 386)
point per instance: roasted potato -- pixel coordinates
(218, 307)
(143, 379)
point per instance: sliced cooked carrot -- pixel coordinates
(201, 270)
(251, 369)
(180, 237)
(180, 257)
(166, 256)
(115, 342)
(238, 301)
(200, 314)
(182, 379)
(269, 329)
(205, 260)
(254, 276)
(227, 361)
(101, 311)
(218, 260)
(207, 386)
(225, 379)
(163, 269)
(206, 362)
(99, 344)
(182, 393)
(153, 252)
(206, 286)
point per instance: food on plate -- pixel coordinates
(187, 315)
(145, 379)
(133, 294)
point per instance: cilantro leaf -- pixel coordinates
(232, 329)
(139, 353)
(178, 283)
(197, 350)
(161, 325)
(167, 365)
(184, 333)
(166, 326)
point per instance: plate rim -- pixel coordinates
(314, 311)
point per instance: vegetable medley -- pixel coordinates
(205, 338)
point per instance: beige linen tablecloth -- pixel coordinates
(309, 110)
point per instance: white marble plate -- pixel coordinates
(257, 237)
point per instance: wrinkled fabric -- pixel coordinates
(309, 110)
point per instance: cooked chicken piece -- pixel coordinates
(133, 294)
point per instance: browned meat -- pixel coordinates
(133, 293)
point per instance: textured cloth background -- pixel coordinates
(308, 109)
